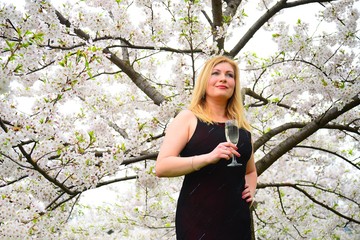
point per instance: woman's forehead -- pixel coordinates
(222, 65)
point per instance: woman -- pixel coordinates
(214, 199)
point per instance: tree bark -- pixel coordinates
(310, 128)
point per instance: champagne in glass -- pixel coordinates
(232, 135)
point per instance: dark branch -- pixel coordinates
(44, 173)
(275, 131)
(313, 199)
(217, 22)
(208, 19)
(151, 156)
(138, 79)
(333, 153)
(101, 184)
(64, 201)
(282, 4)
(265, 101)
(231, 8)
(126, 44)
(14, 181)
(3, 126)
(67, 23)
(310, 128)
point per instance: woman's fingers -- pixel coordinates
(246, 194)
(224, 150)
(230, 148)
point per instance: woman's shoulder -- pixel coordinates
(185, 119)
(186, 114)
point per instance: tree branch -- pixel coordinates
(63, 201)
(125, 44)
(275, 131)
(282, 4)
(121, 131)
(73, 206)
(333, 153)
(231, 8)
(13, 181)
(151, 156)
(3, 126)
(208, 19)
(308, 195)
(139, 80)
(43, 172)
(80, 33)
(310, 128)
(101, 184)
(217, 22)
(253, 94)
(165, 49)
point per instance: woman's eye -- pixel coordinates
(230, 75)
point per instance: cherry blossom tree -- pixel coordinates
(87, 89)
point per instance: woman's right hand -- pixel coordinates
(223, 151)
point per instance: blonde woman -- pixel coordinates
(214, 199)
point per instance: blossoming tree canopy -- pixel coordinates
(87, 89)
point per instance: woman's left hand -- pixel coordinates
(247, 195)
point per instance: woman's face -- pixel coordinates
(221, 84)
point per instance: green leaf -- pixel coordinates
(10, 45)
(243, 13)
(227, 19)
(275, 35)
(18, 68)
(92, 136)
(141, 126)
(123, 148)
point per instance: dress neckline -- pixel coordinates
(220, 123)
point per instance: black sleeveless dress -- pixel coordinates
(210, 206)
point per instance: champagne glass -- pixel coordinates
(232, 135)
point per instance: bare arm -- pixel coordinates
(170, 164)
(250, 179)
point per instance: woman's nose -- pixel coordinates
(222, 77)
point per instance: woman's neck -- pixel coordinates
(217, 110)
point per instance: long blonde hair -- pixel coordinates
(234, 108)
